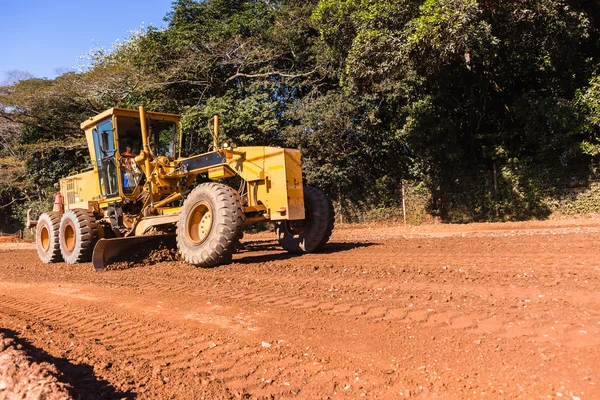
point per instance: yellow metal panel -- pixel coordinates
(248, 162)
(170, 210)
(146, 223)
(89, 188)
(281, 190)
(252, 171)
(295, 188)
(79, 189)
(220, 172)
(91, 122)
(124, 112)
(81, 204)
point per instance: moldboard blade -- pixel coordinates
(106, 249)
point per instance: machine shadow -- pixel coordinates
(80, 378)
(250, 247)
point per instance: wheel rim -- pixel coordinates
(69, 240)
(45, 237)
(296, 227)
(299, 226)
(199, 223)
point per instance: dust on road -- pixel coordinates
(483, 310)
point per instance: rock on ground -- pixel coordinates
(22, 378)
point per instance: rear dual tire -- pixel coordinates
(70, 237)
(47, 237)
(78, 235)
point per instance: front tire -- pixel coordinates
(46, 237)
(78, 235)
(210, 224)
(313, 232)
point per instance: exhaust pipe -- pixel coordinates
(29, 224)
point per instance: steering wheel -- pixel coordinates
(108, 157)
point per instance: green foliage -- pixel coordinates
(342, 146)
(584, 202)
(46, 168)
(588, 104)
(492, 107)
(251, 120)
(447, 31)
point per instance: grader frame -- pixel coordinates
(127, 197)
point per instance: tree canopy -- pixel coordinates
(487, 104)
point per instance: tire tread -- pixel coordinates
(322, 220)
(52, 219)
(86, 235)
(223, 240)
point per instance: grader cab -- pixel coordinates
(143, 183)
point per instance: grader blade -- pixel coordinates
(107, 249)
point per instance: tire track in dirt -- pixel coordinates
(142, 344)
(432, 314)
(142, 337)
(399, 310)
(172, 351)
(363, 311)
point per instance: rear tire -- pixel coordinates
(46, 237)
(78, 235)
(313, 232)
(210, 224)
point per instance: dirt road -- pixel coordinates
(474, 311)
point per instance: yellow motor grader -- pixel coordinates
(143, 184)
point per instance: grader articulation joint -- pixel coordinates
(142, 183)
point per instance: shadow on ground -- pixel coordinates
(250, 247)
(166, 251)
(83, 383)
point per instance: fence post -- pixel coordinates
(340, 202)
(403, 204)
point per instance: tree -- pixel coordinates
(490, 105)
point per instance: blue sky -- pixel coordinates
(42, 36)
